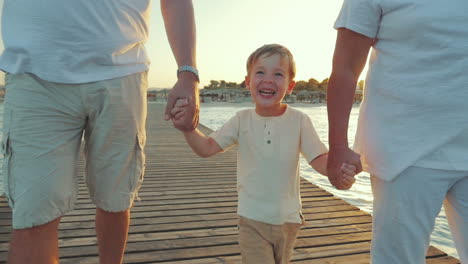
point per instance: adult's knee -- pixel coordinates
(50, 227)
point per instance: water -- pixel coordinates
(214, 115)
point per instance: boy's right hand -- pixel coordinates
(185, 87)
(179, 111)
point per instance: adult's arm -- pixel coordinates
(349, 59)
(179, 21)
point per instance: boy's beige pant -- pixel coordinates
(265, 243)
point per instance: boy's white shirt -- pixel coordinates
(268, 173)
(415, 109)
(75, 41)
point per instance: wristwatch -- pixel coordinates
(188, 68)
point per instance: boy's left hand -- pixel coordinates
(349, 171)
(336, 157)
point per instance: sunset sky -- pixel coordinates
(228, 31)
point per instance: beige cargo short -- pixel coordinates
(44, 126)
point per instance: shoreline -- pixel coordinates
(248, 104)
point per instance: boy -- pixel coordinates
(270, 139)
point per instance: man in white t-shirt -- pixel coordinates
(74, 69)
(412, 130)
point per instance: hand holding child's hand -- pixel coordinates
(338, 156)
(185, 87)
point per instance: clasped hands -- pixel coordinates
(187, 99)
(337, 156)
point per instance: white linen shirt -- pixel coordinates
(75, 41)
(415, 108)
(268, 162)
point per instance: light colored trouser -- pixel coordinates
(262, 243)
(405, 209)
(42, 133)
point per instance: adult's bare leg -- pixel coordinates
(38, 244)
(112, 232)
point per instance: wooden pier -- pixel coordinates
(187, 213)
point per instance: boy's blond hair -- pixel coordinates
(271, 49)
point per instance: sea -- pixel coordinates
(215, 114)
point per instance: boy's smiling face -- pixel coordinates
(268, 82)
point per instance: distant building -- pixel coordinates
(224, 95)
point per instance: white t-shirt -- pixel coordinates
(75, 41)
(268, 162)
(416, 94)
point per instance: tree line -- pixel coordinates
(310, 85)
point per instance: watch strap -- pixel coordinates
(188, 68)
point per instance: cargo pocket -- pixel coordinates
(7, 153)
(140, 164)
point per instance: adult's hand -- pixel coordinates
(336, 157)
(185, 87)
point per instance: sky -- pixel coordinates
(228, 31)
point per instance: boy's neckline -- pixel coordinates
(286, 106)
(272, 116)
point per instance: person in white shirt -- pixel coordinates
(412, 130)
(74, 68)
(270, 139)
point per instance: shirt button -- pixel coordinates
(268, 141)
